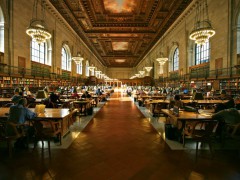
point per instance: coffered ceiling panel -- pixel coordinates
(120, 32)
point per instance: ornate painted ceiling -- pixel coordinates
(120, 32)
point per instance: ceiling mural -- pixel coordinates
(120, 6)
(120, 32)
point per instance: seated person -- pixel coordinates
(98, 91)
(228, 117)
(237, 103)
(224, 96)
(86, 95)
(53, 101)
(17, 95)
(18, 114)
(227, 105)
(75, 94)
(15, 99)
(54, 98)
(177, 101)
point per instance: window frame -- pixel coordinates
(175, 60)
(202, 53)
(38, 52)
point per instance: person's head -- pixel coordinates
(223, 93)
(23, 102)
(16, 98)
(17, 90)
(75, 90)
(237, 100)
(177, 97)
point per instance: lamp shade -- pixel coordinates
(41, 94)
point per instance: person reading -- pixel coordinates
(18, 115)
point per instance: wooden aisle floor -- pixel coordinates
(119, 143)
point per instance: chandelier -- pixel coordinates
(37, 28)
(148, 68)
(203, 29)
(91, 68)
(141, 73)
(162, 60)
(78, 59)
(137, 75)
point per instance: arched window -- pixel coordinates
(176, 59)
(238, 32)
(202, 53)
(41, 53)
(87, 68)
(38, 52)
(79, 68)
(64, 59)
(92, 71)
(1, 31)
(66, 63)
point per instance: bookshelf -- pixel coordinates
(232, 86)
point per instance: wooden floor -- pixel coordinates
(119, 143)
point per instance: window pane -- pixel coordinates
(38, 52)
(64, 59)
(176, 59)
(202, 53)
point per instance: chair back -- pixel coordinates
(2, 131)
(204, 129)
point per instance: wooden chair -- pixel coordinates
(46, 130)
(204, 132)
(31, 105)
(18, 131)
(157, 110)
(3, 136)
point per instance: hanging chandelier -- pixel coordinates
(37, 28)
(148, 68)
(203, 29)
(137, 75)
(141, 73)
(162, 60)
(78, 59)
(91, 68)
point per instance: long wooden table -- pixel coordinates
(185, 101)
(62, 115)
(83, 105)
(185, 117)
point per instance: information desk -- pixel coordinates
(62, 115)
